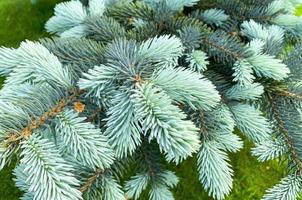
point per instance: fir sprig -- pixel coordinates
(143, 83)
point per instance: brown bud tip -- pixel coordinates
(79, 107)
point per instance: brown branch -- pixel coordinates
(203, 129)
(285, 132)
(37, 123)
(91, 180)
(94, 115)
(227, 51)
(256, 18)
(289, 94)
(150, 164)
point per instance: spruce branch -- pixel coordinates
(285, 132)
(40, 121)
(250, 122)
(216, 176)
(288, 188)
(152, 164)
(91, 180)
(203, 126)
(101, 184)
(151, 105)
(223, 48)
(151, 174)
(158, 81)
(256, 18)
(94, 115)
(54, 176)
(83, 140)
(288, 94)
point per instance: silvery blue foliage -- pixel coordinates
(123, 129)
(137, 184)
(212, 16)
(84, 141)
(246, 92)
(159, 186)
(289, 188)
(31, 56)
(173, 5)
(55, 180)
(272, 35)
(128, 86)
(176, 136)
(67, 16)
(250, 121)
(270, 149)
(198, 60)
(187, 87)
(214, 174)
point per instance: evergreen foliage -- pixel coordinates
(111, 92)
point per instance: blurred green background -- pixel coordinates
(20, 20)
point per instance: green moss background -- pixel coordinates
(20, 20)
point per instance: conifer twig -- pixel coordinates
(37, 123)
(290, 95)
(91, 180)
(285, 132)
(94, 114)
(150, 166)
(222, 48)
(203, 129)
